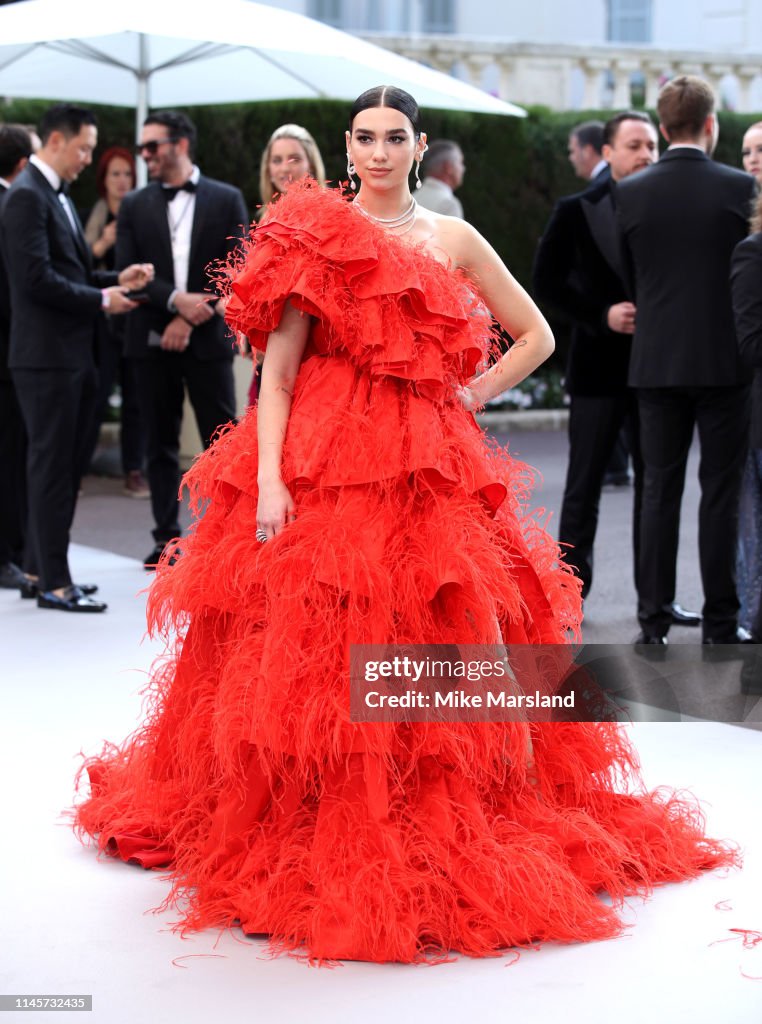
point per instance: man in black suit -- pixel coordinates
(577, 270)
(15, 150)
(181, 222)
(55, 300)
(679, 222)
(585, 152)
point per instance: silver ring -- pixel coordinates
(261, 536)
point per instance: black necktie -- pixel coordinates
(170, 191)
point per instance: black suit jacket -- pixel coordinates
(680, 221)
(577, 272)
(602, 176)
(746, 284)
(5, 303)
(219, 221)
(54, 291)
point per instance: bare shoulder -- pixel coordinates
(461, 242)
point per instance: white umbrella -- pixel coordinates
(168, 52)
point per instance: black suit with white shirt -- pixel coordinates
(55, 298)
(13, 511)
(577, 271)
(679, 222)
(208, 222)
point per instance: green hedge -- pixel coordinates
(516, 168)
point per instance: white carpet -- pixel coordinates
(70, 924)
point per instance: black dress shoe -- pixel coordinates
(29, 589)
(152, 558)
(650, 638)
(11, 577)
(681, 616)
(73, 600)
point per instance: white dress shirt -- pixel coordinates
(180, 213)
(54, 180)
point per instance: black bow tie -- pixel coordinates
(170, 191)
(63, 188)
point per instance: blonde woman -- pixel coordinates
(290, 155)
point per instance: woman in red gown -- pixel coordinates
(359, 503)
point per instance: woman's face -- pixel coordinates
(288, 163)
(119, 180)
(752, 152)
(382, 146)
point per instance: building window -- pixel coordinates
(329, 11)
(438, 16)
(629, 21)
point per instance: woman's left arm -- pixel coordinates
(510, 305)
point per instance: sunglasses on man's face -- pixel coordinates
(152, 147)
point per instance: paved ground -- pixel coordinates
(107, 519)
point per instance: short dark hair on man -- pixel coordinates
(65, 118)
(178, 125)
(611, 127)
(15, 144)
(439, 152)
(589, 133)
(684, 104)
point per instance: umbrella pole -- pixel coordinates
(143, 75)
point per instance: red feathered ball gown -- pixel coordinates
(248, 781)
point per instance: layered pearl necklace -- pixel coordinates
(406, 220)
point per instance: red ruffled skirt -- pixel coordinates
(382, 841)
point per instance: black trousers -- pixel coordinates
(13, 506)
(595, 424)
(113, 366)
(162, 379)
(667, 420)
(57, 406)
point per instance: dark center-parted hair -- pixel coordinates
(178, 125)
(103, 163)
(588, 133)
(684, 104)
(614, 123)
(388, 96)
(65, 118)
(15, 145)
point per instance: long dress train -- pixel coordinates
(248, 781)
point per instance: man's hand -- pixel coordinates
(176, 336)
(117, 301)
(194, 307)
(621, 318)
(136, 276)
